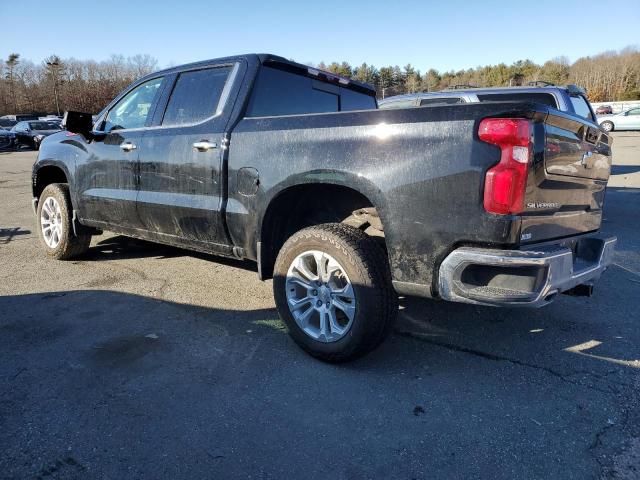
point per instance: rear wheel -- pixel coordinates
(55, 222)
(333, 289)
(607, 126)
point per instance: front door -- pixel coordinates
(181, 186)
(630, 120)
(108, 179)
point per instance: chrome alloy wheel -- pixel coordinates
(320, 296)
(51, 222)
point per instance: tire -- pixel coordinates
(607, 126)
(363, 264)
(55, 211)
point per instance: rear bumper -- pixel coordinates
(528, 277)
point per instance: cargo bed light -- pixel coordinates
(505, 184)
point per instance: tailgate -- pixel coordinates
(567, 182)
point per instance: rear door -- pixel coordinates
(182, 183)
(630, 120)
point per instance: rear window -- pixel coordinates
(399, 104)
(350, 100)
(277, 92)
(441, 101)
(536, 97)
(581, 107)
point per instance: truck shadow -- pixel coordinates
(426, 333)
(571, 336)
(624, 169)
(117, 366)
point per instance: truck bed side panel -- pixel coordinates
(423, 169)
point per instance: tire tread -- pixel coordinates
(373, 262)
(71, 246)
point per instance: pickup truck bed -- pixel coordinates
(423, 169)
(493, 203)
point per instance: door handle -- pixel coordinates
(204, 145)
(128, 146)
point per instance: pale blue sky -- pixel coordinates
(444, 35)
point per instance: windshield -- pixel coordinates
(43, 126)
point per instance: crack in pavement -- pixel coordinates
(597, 442)
(499, 358)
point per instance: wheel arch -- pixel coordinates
(288, 211)
(47, 172)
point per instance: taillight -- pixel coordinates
(506, 183)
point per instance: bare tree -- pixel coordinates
(12, 62)
(54, 67)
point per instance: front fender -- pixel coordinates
(61, 150)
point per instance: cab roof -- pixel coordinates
(277, 61)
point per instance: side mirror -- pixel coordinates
(78, 122)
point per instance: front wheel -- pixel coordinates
(607, 126)
(332, 287)
(55, 222)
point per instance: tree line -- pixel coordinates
(609, 76)
(55, 84)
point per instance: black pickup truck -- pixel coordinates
(345, 206)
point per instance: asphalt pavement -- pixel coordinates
(145, 361)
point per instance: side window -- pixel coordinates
(195, 96)
(134, 108)
(635, 111)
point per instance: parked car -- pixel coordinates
(604, 110)
(32, 133)
(7, 123)
(6, 139)
(629, 120)
(570, 98)
(344, 205)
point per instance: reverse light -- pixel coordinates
(505, 184)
